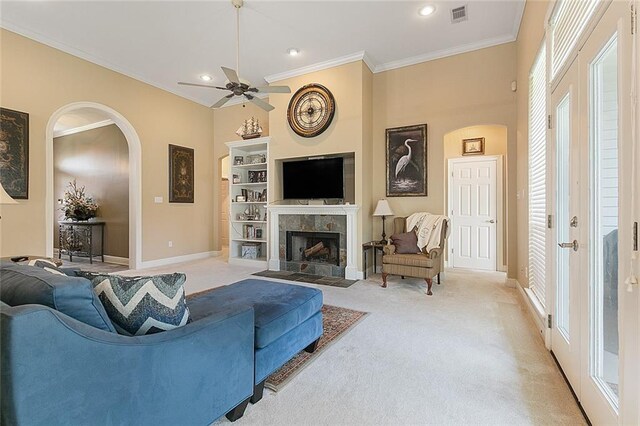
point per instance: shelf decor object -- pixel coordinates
(248, 199)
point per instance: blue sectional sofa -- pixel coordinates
(63, 363)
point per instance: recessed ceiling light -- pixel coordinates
(206, 77)
(293, 52)
(427, 10)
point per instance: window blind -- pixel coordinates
(537, 175)
(568, 22)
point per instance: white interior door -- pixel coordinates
(473, 192)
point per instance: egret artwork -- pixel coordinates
(407, 161)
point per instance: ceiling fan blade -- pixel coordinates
(201, 85)
(262, 104)
(222, 101)
(231, 75)
(272, 89)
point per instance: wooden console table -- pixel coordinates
(79, 239)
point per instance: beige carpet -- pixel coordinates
(336, 322)
(469, 354)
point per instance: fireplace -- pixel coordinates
(313, 247)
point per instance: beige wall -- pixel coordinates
(97, 159)
(39, 80)
(226, 122)
(529, 41)
(495, 143)
(448, 94)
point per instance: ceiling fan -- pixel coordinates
(235, 85)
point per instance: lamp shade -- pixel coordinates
(6, 198)
(383, 209)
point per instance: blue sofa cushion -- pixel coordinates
(142, 305)
(73, 296)
(279, 308)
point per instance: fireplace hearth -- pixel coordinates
(313, 247)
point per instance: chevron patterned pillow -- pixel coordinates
(141, 305)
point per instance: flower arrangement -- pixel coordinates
(76, 205)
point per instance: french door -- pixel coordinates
(588, 238)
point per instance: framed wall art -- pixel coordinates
(407, 161)
(473, 146)
(14, 153)
(181, 175)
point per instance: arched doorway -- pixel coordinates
(135, 176)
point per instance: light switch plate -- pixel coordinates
(158, 200)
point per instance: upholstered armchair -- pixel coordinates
(425, 265)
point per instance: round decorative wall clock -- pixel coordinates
(311, 110)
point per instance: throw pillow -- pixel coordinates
(141, 305)
(406, 243)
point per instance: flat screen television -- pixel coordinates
(313, 179)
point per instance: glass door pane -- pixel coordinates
(563, 194)
(604, 221)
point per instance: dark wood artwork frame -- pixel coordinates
(181, 174)
(406, 169)
(14, 153)
(474, 146)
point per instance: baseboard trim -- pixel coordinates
(178, 259)
(536, 311)
(116, 260)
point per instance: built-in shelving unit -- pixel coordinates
(248, 224)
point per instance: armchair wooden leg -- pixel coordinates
(384, 280)
(238, 412)
(438, 278)
(429, 284)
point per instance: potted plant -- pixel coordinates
(76, 205)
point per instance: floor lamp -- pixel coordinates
(383, 209)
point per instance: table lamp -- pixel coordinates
(383, 209)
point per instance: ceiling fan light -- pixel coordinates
(427, 10)
(293, 51)
(206, 77)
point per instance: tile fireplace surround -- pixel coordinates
(331, 218)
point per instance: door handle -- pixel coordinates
(572, 245)
(491, 221)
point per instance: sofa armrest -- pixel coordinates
(435, 253)
(56, 369)
(389, 249)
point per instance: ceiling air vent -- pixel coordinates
(458, 14)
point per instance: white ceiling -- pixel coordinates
(162, 42)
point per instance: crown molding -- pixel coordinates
(347, 59)
(33, 35)
(466, 48)
(86, 127)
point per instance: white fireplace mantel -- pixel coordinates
(348, 210)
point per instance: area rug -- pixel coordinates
(307, 278)
(336, 323)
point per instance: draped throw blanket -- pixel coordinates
(428, 228)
